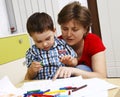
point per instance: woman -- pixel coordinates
(75, 21)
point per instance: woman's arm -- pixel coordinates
(98, 66)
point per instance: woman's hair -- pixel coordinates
(39, 22)
(74, 11)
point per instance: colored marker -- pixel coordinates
(41, 95)
(55, 92)
(41, 63)
(81, 87)
(34, 91)
(46, 91)
(67, 88)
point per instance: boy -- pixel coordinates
(48, 53)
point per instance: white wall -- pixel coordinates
(109, 21)
(22, 9)
(4, 23)
(62, 3)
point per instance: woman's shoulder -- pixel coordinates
(94, 43)
(93, 38)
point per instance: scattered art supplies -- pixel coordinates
(68, 87)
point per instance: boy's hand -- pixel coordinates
(33, 70)
(35, 67)
(68, 60)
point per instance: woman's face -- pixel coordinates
(72, 32)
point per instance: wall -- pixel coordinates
(20, 10)
(109, 22)
(4, 23)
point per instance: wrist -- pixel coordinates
(30, 74)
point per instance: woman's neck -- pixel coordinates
(79, 47)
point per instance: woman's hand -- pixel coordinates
(63, 72)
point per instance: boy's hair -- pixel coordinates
(39, 22)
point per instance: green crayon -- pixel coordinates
(41, 63)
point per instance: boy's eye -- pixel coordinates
(39, 41)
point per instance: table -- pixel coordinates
(111, 92)
(115, 81)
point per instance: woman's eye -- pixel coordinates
(75, 30)
(64, 29)
(48, 38)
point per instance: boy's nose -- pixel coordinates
(45, 44)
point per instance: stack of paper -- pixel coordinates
(95, 87)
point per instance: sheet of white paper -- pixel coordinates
(94, 86)
(53, 85)
(99, 84)
(6, 87)
(91, 94)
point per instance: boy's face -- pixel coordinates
(44, 40)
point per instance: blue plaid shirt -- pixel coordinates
(50, 59)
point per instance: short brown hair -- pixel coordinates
(39, 22)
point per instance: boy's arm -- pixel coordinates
(32, 71)
(29, 75)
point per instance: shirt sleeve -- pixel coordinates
(95, 44)
(71, 51)
(31, 56)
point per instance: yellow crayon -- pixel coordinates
(55, 92)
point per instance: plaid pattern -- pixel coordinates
(50, 59)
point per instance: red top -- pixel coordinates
(92, 45)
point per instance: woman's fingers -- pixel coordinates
(62, 72)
